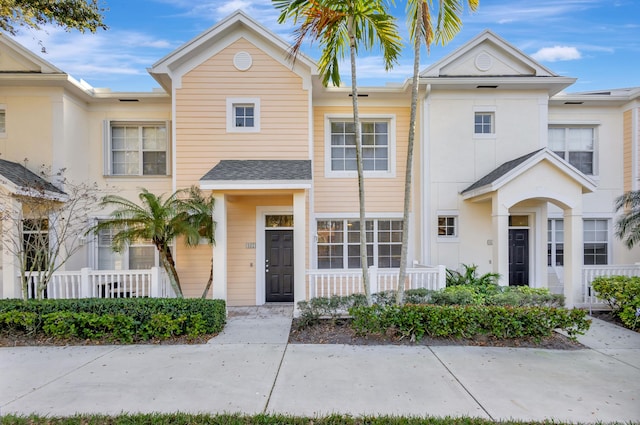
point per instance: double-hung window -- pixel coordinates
(140, 255)
(575, 145)
(596, 241)
(338, 245)
(138, 149)
(378, 146)
(35, 243)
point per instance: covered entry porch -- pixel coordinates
(520, 192)
(261, 230)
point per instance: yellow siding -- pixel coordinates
(340, 195)
(202, 139)
(628, 150)
(194, 266)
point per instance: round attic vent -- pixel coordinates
(483, 61)
(242, 61)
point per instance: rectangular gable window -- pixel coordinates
(138, 149)
(483, 123)
(575, 145)
(243, 115)
(447, 226)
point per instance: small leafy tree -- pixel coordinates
(81, 15)
(43, 227)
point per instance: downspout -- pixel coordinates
(425, 236)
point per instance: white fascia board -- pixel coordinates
(254, 185)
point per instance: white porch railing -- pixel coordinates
(341, 282)
(88, 283)
(591, 272)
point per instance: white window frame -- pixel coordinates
(553, 241)
(391, 148)
(107, 155)
(124, 265)
(485, 110)
(232, 103)
(456, 226)
(3, 121)
(594, 151)
(374, 242)
(607, 242)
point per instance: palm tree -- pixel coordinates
(628, 224)
(200, 213)
(156, 219)
(338, 25)
(421, 30)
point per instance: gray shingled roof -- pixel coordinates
(19, 175)
(229, 170)
(499, 172)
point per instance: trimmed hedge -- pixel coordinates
(122, 320)
(622, 293)
(416, 321)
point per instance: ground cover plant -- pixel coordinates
(622, 293)
(261, 419)
(110, 320)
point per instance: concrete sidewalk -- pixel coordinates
(249, 368)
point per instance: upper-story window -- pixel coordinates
(138, 149)
(3, 121)
(576, 145)
(484, 123)
(378, 146)
(243, 115)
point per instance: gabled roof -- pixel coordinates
(258, 174)
(16, 58)
(238, 24)
(488, 61)
(19, 180)
(510, 170)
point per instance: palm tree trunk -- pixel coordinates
(209, 282)
(402, 275)
(169, 265)
(358, 135)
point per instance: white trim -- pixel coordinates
(261, 213)
(634, 149)
(255, 185)
(232, 102)
(391, 147)
(349, 216)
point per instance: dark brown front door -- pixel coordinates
(279, 266)
(519, 257)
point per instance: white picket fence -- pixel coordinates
(329, 282)
(591, 272)
(88, 283)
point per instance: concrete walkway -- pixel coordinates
(250, 368)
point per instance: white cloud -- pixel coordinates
(557, 53)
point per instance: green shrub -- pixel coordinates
(415, 321)
(525, 296)
(122, 319)
(18, 321)
(470, 277)
(622, 293)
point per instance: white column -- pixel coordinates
(11, 287)
(573, 256)
(220, 249)
(299, 246)
(500, 232)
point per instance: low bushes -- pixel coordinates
(113, 320)
(415, 321)
(622, 293)
(497, 295)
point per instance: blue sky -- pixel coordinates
(596, 41)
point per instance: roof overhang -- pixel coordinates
(552, 85)
(505, 174)
(258, 175)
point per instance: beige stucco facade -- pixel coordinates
(472, 189)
